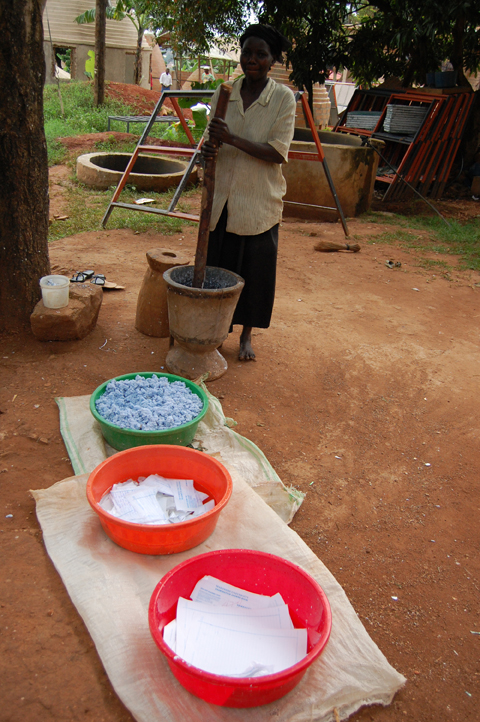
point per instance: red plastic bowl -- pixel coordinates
(255, 572)
(175, 462)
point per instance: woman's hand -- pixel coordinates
(210, 149)
(219, 131)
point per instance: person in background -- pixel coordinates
(207, 74)
(253, 142)
(166, 80)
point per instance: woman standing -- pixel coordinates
(253, 142)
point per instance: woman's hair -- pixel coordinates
(274, 39)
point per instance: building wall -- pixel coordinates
(158, 67)
(61, 30)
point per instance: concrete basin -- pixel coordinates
(150, 173)
(353, 169)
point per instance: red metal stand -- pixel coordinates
(194, 153)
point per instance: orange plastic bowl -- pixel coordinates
(255, 572)
(175, 462)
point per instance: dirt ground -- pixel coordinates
(141, 100)
(364, 395)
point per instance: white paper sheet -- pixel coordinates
(156, 500)
(159, 483)
(190, 614)
(210, 590)
(208, 506)
(186, 497)
(234, 640)
(170, 634)
(210, 647)
(146, 504)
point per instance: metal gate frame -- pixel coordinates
(194, 152)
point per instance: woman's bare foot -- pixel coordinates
(246, 351)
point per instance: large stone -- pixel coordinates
(73, 322)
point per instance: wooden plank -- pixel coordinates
(207, 196)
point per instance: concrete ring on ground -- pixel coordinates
(150, 173)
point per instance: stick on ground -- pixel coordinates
(327, 246)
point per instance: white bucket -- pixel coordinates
(55, 291)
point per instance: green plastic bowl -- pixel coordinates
(122, 439)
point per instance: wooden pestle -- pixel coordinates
(207, 197)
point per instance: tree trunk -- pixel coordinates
(100, 32)
(456, 56)
(23, 161)
(471, 135)
(137, 72)
(309, 88)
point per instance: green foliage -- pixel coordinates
(208, 85)
(431, 264)
(90, 64)
(56, 152)
(176, 133)
(316, 27)
(402, 37)
(409, 38)
(189, 64)
(80, 112)
(318, 32)
(200, 119)
(66, 58)
(88, 16)
(196, 26)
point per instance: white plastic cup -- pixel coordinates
(55, 290)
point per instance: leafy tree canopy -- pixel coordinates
(409, 38)
(318, 30)
(194, 26)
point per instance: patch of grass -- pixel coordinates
(80, 115)
(462, 239)
(57, 153)
(392, 238)
(458, 239)
(86, 208)
(433, 264)
(113, 146)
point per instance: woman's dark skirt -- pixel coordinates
(254, 258)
